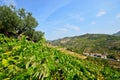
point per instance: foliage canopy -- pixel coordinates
(14, 22)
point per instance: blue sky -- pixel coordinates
(62, 18)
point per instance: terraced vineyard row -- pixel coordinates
(25, 60)
(68, 52)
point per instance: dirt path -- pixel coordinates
(69, 52)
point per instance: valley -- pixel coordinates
(102, 46)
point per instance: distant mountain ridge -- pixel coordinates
(117, 34)
(92, 43)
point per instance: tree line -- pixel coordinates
(14, 22)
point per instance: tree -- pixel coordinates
(27, 21)
(37, 35)
(13, 21)
(18, 21)
(8, 19)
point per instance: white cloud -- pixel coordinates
(93, 23)
(82, 19)
(101, 13)
(76, 17)
(8, 2)
(118, 15)
(66, 28)
(72, 27)
(62, 30)
(50, 10)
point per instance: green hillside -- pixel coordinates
(92, 43)
(25, 54)
(25, 60)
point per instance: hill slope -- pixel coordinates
(73, 54)
(92, 43)
(117, 34)
(21, 60)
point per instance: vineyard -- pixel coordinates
(26, 60)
